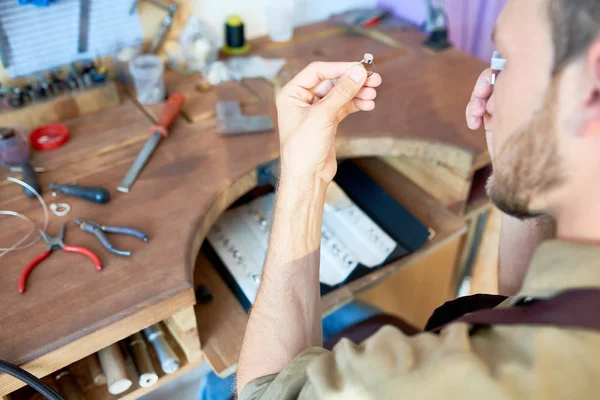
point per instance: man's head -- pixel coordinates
(546, 105)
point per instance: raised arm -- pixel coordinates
(518, 239)
(286, 316)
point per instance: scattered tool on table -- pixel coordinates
(49, 137)
(231, 121)
(60, 209)
(55, 243)
(14, 152)
(98, 195)
(235, 38)
(159, 131)
(84, 23)
(99, 229)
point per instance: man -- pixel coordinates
(542, 119)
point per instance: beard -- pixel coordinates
(528, 166)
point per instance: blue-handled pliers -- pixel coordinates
(99, 229)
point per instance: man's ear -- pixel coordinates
(590, 85)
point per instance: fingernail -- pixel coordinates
(483, 82)
(479, 103)
(357, 73)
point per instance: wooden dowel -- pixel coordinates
(68, 387)
(113, 366)
(143, 363)
(93, 365)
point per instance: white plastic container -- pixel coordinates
(280, 20)
(147, 73)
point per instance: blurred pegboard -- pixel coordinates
(42, 38)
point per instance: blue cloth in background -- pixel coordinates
(215, 388)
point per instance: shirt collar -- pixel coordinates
(559, 265)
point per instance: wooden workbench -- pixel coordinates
(71, 310)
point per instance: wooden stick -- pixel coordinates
(96, 373)
(113, 365)
(143, 363)
(67, 386)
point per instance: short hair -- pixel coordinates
(575, 24)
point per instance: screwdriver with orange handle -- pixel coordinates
(159, 131)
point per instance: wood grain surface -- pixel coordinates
(194, 176)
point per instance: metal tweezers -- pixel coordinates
(99, 229)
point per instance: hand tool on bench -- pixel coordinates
(159, 131)
(113, 365)
(98, 195)
(55, 243)
(99, 229)
(14, 152)
(143, 362)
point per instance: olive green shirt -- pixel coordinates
(503, 362)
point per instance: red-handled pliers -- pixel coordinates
(55, 243)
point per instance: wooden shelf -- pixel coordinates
(223, 320)
(81, 374)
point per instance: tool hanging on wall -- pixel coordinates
(235, 38)
(165, 25)
(436, 25)
(4, 47)
(55, 243)
(84, 23)
(99, 229)
(97, 195)
(113, 366)
(231, 121)
(159, 131)
(169, 362)
(143, 363)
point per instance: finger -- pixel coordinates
(318, 71)
(374, 80)
(322, 89)
(346, 88)
(363, 105)
(366, 93)
(483, 88)
(477, 108)
(474, 123)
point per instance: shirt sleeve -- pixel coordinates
(286, 385)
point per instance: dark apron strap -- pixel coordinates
(578, 308)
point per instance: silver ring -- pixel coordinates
(370, 61)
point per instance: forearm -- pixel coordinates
(518, 242)
(286, 316)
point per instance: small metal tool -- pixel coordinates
(4, 47)
(165, 25)
(231, 121)
(97, 195)
(169, 362)
(55, 243)
(99, 229)
(159, 131)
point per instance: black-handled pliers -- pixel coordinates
(99, 229)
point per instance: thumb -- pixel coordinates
(345, 89)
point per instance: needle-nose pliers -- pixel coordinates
(55, 243)
(99, 229)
